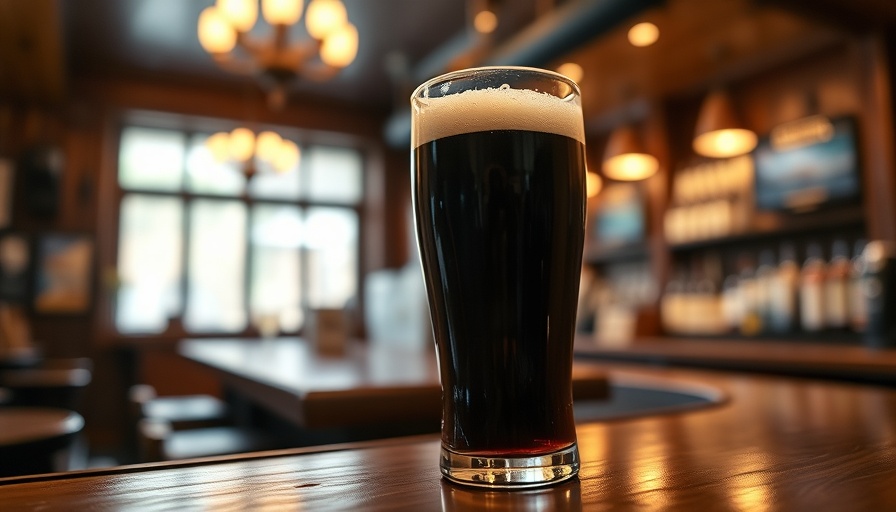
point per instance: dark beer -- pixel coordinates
(500, 218)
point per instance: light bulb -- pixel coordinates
(240, 13)
(324, 17)
(215, 33)
(287, 157)
(485, 22)
(725, 143)
(571, 70)
(219, 146)
(340, 48)
(631, 166)
(268, 145)
(593, 184)
(281, 12)
(242, 144)
(643, 34)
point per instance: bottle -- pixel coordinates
(836, 287)
(751, 319)
(783, 293)
(812, 303)
(765, 275)
(858, 303)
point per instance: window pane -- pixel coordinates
(151, 159)
(215, 283)
(334, 174)
(149, 263)
(275, 290)
(206, 176)
(270, 184)
(331, 244)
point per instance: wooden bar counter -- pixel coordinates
(771, 443)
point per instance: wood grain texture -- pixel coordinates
(777, 444)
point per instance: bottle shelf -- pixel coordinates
(779, 225)
(596, 255)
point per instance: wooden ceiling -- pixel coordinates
(47, 44)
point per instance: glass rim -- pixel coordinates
(453, 75)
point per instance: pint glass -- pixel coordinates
(498, 178)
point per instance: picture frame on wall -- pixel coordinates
(63, 273)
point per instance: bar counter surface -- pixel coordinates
(774, 443)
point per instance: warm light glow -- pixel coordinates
(281, 12)
(593, 184)
(288, 156)
(324, 17)
(725, 143)
(219, 146)
(485, 22)
(267, 145)
(571, 70)
(340, 48)
(242, 144)
(240, 13)
(631, 166)
(643, 34)
(215, 33)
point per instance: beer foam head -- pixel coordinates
(502, 108)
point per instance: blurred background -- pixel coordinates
(173, 169)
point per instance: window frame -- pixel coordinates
(188, 130)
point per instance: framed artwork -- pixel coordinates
(63, 273)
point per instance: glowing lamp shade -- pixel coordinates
(340, 47)
(215, 33)
(324, 16)
(267, 145)
(242, 144)
(281, 12)
(241, 14)
(624, 158)
(287, 157)
(718, 133)
(219, 146)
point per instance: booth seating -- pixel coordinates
(190, 426)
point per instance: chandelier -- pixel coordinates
(243, 146)
(224, 31)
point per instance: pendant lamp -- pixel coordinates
(719, 133)
(625, 158)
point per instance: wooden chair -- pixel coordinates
(158, 441)
(46, 386)
(180, 412)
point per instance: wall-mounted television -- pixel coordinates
(806, 164)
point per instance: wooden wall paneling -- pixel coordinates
(878, 136)
(31, 53)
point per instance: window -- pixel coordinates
(196, 241)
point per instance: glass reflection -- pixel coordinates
(566, 496)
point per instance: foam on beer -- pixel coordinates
(495, 109)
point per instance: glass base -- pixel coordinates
(514, 472)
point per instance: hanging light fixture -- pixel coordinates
(243, 146)
(225, 26)
(625, 159)
(719, 133)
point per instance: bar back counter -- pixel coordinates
(762, 443)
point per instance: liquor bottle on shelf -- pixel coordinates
(836, 287)
(765, 275)
(751, 319)
(858, 303)
(812, 278)
(783, 293)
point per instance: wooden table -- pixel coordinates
(368, 385)
(30, 436)
(776, 444)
